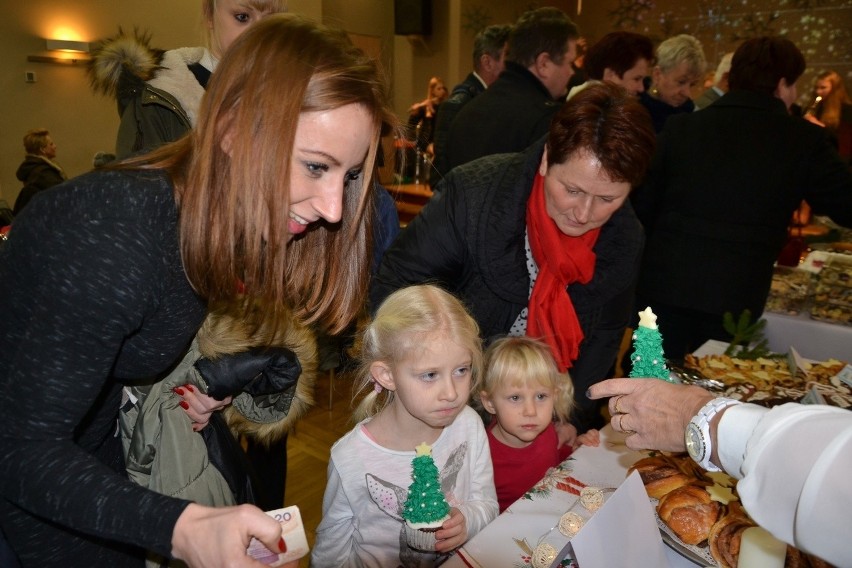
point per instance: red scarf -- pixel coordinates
(561, 260)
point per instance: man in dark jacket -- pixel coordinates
(38, 171)
(721, 193)
(489, 60)
(516, 110)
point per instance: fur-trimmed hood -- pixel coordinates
(124, 64)
(226, 333)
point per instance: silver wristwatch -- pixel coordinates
(697, 435)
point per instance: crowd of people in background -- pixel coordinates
(242, 201)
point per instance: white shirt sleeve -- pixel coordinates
(794, 463)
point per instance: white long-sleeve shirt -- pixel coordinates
(794, 462)
(367, 486)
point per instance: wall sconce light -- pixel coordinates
(62, 51)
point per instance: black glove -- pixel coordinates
(258, 371)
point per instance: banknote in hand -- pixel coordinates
(293, 533)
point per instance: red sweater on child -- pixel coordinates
(517, 470)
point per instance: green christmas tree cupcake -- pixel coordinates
(426, 509)
(648, 358)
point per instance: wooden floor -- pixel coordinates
(308, 450)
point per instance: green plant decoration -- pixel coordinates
(747, 337)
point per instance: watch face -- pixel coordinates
(694, 442)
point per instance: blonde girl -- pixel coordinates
(421, 359)
(524, 392)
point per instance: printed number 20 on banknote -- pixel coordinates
(293, 533)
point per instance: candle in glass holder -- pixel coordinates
(759, 549)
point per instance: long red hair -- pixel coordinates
(234, 205)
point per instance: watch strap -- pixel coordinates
(701, 423)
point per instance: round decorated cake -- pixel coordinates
(426, 509)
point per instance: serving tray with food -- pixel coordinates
(771, 380)
(699, 512)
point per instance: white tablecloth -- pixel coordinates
(813, 339)
(508, 540)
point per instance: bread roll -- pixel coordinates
(725, 537)
(689, 513)
(798, 559)
(659, 475)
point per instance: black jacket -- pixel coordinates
(37, 174)
(660, 111)
(514, 112)
(470, 239)
(94, 297)
(720, 194)
(462, 94)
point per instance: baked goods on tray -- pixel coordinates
(769, 381)
(725, 538)
(789, 291)
(702, 510)
(833, 294)
(660, 475)
(690, 512)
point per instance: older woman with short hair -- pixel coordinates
(543, 242)
(680, 66)
(38, 171)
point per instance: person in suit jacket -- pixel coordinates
(489, 60)
(719, 86)
(720, 194)
(516, 110)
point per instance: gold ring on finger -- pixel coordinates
(621, 425)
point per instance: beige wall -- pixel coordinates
(60, 99)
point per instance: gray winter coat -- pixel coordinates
(161, 450)
(157, 94)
